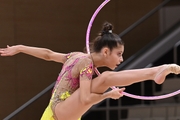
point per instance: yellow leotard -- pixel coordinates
(48, 114)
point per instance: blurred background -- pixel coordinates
(149, 28)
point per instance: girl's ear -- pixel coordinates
(105, 51)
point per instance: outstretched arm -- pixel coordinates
(41, 53)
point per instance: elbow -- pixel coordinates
(85, 100)
(47, 56)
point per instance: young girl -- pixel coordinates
(75, 90)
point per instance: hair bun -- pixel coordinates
(107, 28)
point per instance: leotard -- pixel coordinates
(68, 81)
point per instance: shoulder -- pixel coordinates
(70, 55)
(85, 63)
(85, 59)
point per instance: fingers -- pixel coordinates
(122, 89)
(3, 51)
(5, 48)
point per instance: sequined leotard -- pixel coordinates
(67, 82)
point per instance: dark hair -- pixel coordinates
(106, 38)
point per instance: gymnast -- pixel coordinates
(76, 90)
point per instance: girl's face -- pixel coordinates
(114, 57)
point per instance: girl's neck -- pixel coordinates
(97, 59)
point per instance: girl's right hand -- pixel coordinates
(9, 51)
(117, 93)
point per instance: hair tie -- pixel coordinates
(106, 32)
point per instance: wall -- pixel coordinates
(60, 26)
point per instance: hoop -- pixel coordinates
(97, 72)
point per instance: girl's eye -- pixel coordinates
(119, 54)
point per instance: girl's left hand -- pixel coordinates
(117, 93)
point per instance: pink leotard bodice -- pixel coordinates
(77, 66)
(68, 79)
